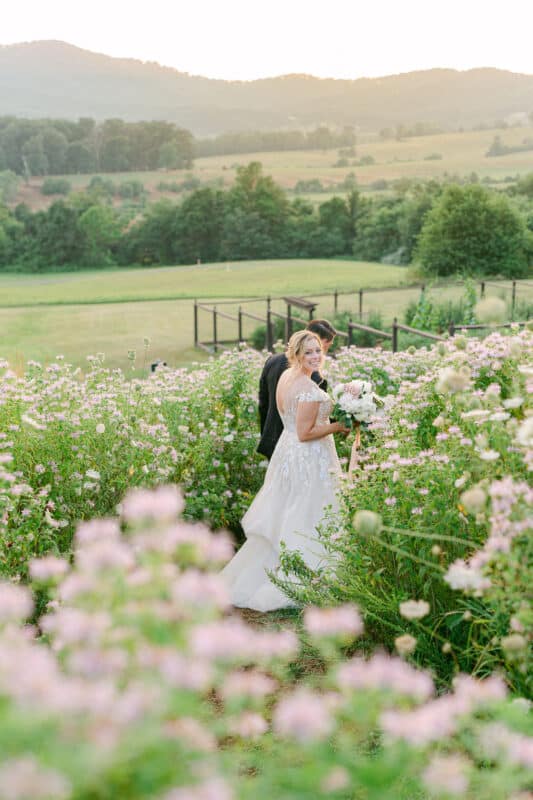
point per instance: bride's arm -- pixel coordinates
(306, 427)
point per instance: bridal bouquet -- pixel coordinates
(355, 402)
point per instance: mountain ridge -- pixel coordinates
(50, 78)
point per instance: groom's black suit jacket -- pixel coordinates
(271, 424)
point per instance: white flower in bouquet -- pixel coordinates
(355, 402)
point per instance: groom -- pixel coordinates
(270, 420)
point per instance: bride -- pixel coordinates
(300, 482)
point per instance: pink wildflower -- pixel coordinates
(304, 716)
(385, 673)
(24, 777)
(247, 683)
(446, 775)
(249, 725)
(212, 789)
(162, 503)
(48, 568)
(16, 603)
(344, 621)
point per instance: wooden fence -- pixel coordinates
(215, 343)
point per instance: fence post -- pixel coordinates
(451, 329)
(335, 301)
(482, 290)
(350, 331)
(240, 324)
(215, 344)
(288, 323)
(269, 332)
(513, 299)
(196, 323)
(395, 335)
(360, 305)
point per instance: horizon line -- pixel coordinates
(265, 77)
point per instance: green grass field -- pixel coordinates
(78, 314)
(237, 279)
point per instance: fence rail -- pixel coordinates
(216, 342)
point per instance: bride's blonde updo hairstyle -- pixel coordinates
(296, 346)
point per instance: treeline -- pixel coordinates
(445, 228)
(498, 148)
(321, 138)
(404, 131)
(60, 147)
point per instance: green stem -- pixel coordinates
(432, 536)
(395, 549)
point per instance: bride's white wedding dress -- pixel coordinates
(300, 482)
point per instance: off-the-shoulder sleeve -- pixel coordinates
(311, 396)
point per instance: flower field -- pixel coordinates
(124, 673)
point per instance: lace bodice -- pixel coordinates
(309, 461)
(308, 392)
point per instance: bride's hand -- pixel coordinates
(340, 428)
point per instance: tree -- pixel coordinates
(34, 156)
(9, 184)
(473, 231)
(14, 136)
(377, 229)
(524, 186)
(256, 193)
(10, 228)
(115, 154)
(101, 230)
(199, 226)
(55, 149)
(152, 240)
(247, 236)
(415, 207)
(79, 159)
(170, 156)
(335, 217)
(53, 238)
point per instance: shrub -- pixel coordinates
(429, 315)
(55, 186)
(379, 185)
(366, 161)
(103, 187)
(310, 186)
(131, 189)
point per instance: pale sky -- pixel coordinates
(247, 39)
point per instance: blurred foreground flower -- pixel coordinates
(414, 609)
(367, 523)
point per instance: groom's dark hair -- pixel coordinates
(322, 328)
